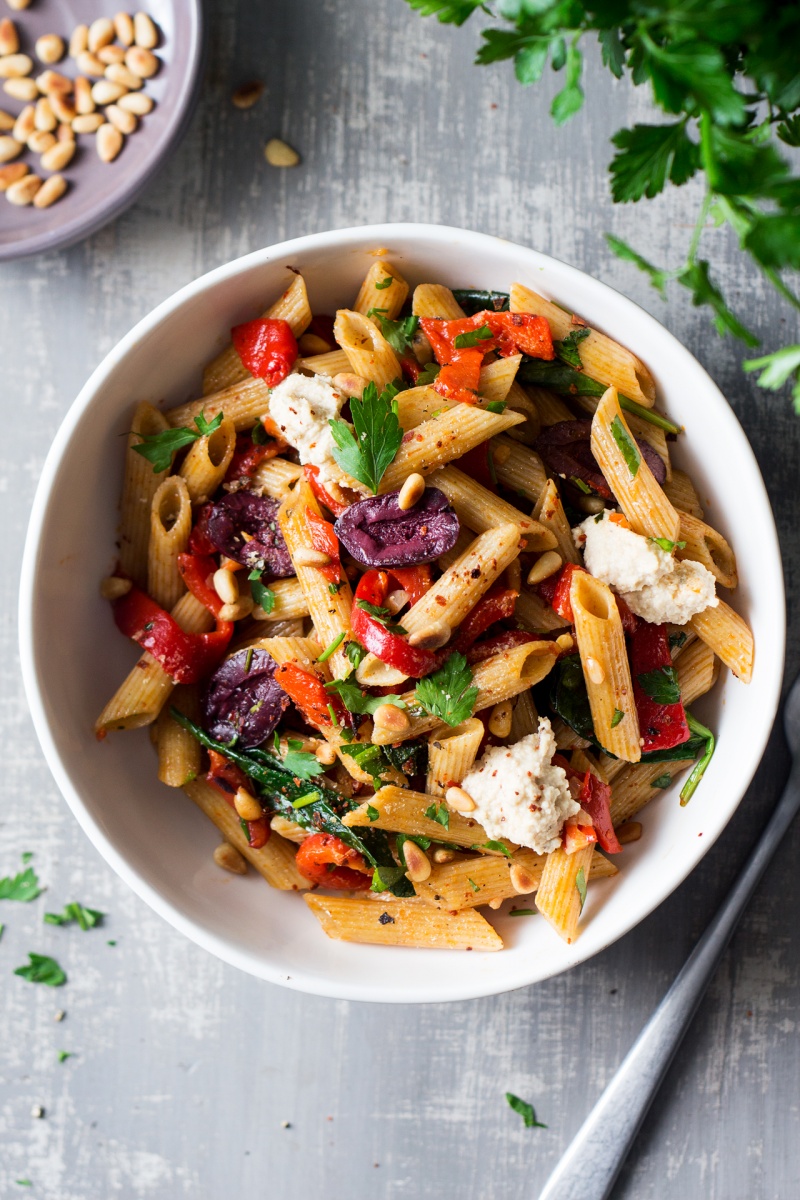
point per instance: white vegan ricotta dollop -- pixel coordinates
(651, 582)
(519, 794)
(301, 406)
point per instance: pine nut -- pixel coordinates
(226, 586)
(590, 504)
(565, 643)
(229, 858)
(18, 5)
(123, 27)
(145, 32)
(49, 48)
(595, 671)
(306, 556)
(21, 89)
(51, 190)
(247, 95)
(101, 32)
(460, 800)
(87, 122)
(114, 587)
(9, 148)
(111, 54)
(63, 109)
(432, 636)
(24, 126)
(514, 575)
(349, 384)
(83, 96)
(51, 82)
(280, 154)
(247, 806)
(496, 903)
(418, 865)
(142, 62)
(15, 66)
(235, 612)
(10, 173)
(65, 133)
(125, 122)
(411, 492)
(441, 855)
(500, 719)
(106, 92)
(44, 117)
(500, 454)
(9, 39)
(628, 831)
(546, 565)
(7, 122)
(136, 102)
(325, 753)
(40, 141)
(79, 41)
(109, 142)
(23, 191)
(58, 156)
(89, 64)
(391, 718)
(395, 601)
(521, 879)
(119, 73)
(288, 829)
(309, 344)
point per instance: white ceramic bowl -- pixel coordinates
(73, 657)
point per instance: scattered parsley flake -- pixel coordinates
(663, 781)
(385, 877)
(262, 595)
(689, 788)
(661, 685)
(525, 1110)
(355, 653)
(439, 813)
(580, 884)
(158, 448)
(474, 337)
(399, 334)
(494, 406)
(384, 283)
(568, 351)
(27, 855)
(618, 716)
(63, 1055)
(475, 887)
(23, 887)
(627, 446)
(259, 435)
(447, 693)
(87, 918)
(493, 845)
(356, 701)
(372, 813)
(677, 639)
(522, 912)
(42, 969)
(580, 485)
(377, 439)
(248, 660)
(300, 762)
(428, 374)
(666, 545)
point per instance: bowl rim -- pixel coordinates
(375, 990)
(81, 227)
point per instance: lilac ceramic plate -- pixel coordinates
(98, 191)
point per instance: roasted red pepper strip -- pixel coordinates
(267, 348)
(199, 541)
(414, 581)
(496, 605)
(630, 622)
(196, 571)
(327, 861)
(595, 799)
(308, 692)
(500, 644)
(248, 455)
(478, 464)
(227, 779)
(577, 837)
(511, 333)
(391, 648)
(661, 726)
(186, 657)
(325, 540)
(320, 493)
(555, 590)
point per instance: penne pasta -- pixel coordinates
(403, 811)
(243, 403)
(550, 407)
(562, 890)
(729, 636)
(204, 467)
(698, 670)
(170, 526)
(334, 362)
(635, 786)
(140, 484)
(520, 402)
(293, 307)
(402, 923)
(470, 882)
(524, 718)
(549, 511)
(706, 546)
(435, 300)
(367, 350)
(442, 438)
(681, 492)
(479, 509)
(179, 754)
(275, 477)
(383, 289)
(533, 614)
(518, 468)
(451, 753)
(497, 378)
(289, 602)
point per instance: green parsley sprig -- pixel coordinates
(159, 448)
(448, 693)
(378, 434)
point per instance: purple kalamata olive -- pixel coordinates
(243, 700)
(566, 450)
(243, 513)
(379, 533)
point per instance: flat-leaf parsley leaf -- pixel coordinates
(42, 969)
(447, 693)
(378, 435)
(525, 1110)
(158, 448)
(24, 886)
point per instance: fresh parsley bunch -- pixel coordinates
(725, 74)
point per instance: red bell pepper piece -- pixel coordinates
(267, 348)
(595, 799)
(495, 605)
(410, 368)
(478, 464)
(661, 726)
(328, 861)
(227, 779)
(308, 692)
(248, 454)
(322, 327)
(321, 495)
(500, 644)
(414, 581)
(577, 837)
(630, 622)
(199, 541)
(325, 540)
(510, 333)
(196, 571)
(186, 657)
(555, 591)
(390, 647)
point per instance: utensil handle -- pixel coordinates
(592, 1162)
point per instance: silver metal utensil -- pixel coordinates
(592, 1162)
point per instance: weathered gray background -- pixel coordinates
(185, 1070)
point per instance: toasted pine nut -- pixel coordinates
(10, 173)
(83, 96)
(88, 122)
(109, 142)
(500, 454)
(500, 719)
(629, 831)
(432, 636)
(79, 41)
(395, 601)
(24, 125)
(51, 82)
(18, 5)
(125, 122)
(565, 642)
(235, 612)
(411, 492)
(89, 64)
(145, 32)
(111, 54)
(229, 858)
(514, 575)
(23, 191)
(521, 879)
(226, 586)
(460, 800)
(9, 148)
(65, 134)
(310, 344)
(51, 190)
(44, 117)
(280, 154)
(136, 102)
(590, 504)
(123, 27)
(350, 384)
(418, 865)
(21, 89)
(106, 92)
(595, 671)
(40, 141)
(142, 62)
(288, 829)
(9, 39)
(115, 586)
(306, 556)
(63, 110)
(442, 855)
(248, 94)
(49, 48)
(15, 66)
(247, 806)
(391, 718)
(7, 122)
(101, 32)
(546, 565)
(325, 753)
(119, 73)
(496, 903)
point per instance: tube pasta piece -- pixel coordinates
(550, 512)
(601, 357)
(451, 753)
(141, 696)
(332, 363)
(441, 439)
(302, 650)
(243, 403)
(550, 406)
(330, 611)
(179, 753)
(632, 787)
(518, 468)
(402, 811)
(497, 377)
(643, 431)
(533, 614)
(140, 484)
(562, 889)
(275, 861)
(641, 499)
(524, 718)
(480, 509)
(729, 636)
(698, 671)
(293, 307)
(275, 477)
(566, 737)
(706, 546)
(254, 631)
(207, 461)
(519, 401)
(170, 526)
(598, 630)
(463, 542)
(375, 292)
(450, 885)
(682, 494)
(419, 404)
(290, 601)
(367, 350)
(435, 300)
(410, 923)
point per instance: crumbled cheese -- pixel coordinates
(652, 583)
(301, 406)
(519, 794)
